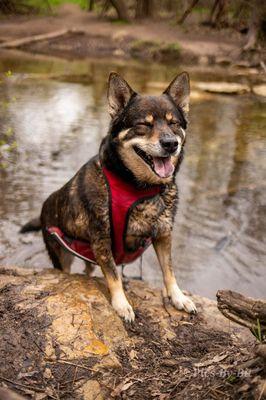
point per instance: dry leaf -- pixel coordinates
(132, 354)
(122, 387)
(214, 360)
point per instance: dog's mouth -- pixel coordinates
(162, 166)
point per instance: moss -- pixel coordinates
(140, 45)
(43, 7)
(155, 50)
(173, 46)
(170, 51)
(119, 22)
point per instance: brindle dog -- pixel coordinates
(144, 146)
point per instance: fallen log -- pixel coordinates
(38, 38)
(260, 351)
(245, 311)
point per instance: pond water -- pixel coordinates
(58, 125)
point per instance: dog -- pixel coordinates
(125, 198)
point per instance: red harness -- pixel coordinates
(123, 197)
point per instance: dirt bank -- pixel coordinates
(153, 40)
(61, 339)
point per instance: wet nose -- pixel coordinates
(169, 144)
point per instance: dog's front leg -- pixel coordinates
(104, 258)
(162, 246)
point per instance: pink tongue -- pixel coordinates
(163, 166)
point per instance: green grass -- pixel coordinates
(156, 50)
(139, 45)
(119, 22)
(257, 331)
(43, 6)
(175, 46)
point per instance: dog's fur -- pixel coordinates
(140, 126)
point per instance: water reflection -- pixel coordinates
(218, 236)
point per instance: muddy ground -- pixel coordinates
(60, 339)
(158, 40)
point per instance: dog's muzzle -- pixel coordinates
(169, 145)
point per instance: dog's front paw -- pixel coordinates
(181, 301)
(123, 308)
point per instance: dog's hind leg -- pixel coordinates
(60, 258)
(66, 260)
(89, 268)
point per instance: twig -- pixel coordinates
(65, 371)
(37, 38)
(20, 384)
(165, 307)
(79, 327)
(36, 389)
(249, 363)
(39, 347)
(74, 378)
(78, 379)
(70, 363)
(262, 391)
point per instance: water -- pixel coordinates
(58, 125)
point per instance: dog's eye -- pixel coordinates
(143, 125)
(175, 123)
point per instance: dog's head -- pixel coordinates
(147, 133)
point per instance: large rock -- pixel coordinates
(60, 339)
(223, 87)
(260, 90)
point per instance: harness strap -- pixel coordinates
(78, 248)
(123, 197)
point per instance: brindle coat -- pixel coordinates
(142, 127)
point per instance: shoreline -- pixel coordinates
(86, 35)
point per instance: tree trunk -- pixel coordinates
(256, 21)
(7, 6)
(91, 5)
(121, 9)
(220, 17)
(187, 12)
(144, 8)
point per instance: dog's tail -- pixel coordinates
(31, 226)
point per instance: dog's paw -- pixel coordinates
(181, 301)
(123, 308)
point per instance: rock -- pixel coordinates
(223, 61)
(60, 335)
(119, 53)
(222, 87)
(6, 394)
(91, 390)
(260, 90)
(203, 61)
(195, 95)
(120, 35)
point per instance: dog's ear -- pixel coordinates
(179, 91)
(119, 93)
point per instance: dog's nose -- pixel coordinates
(169, 144)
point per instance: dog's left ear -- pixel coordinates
(119, 93)
(179, 91)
